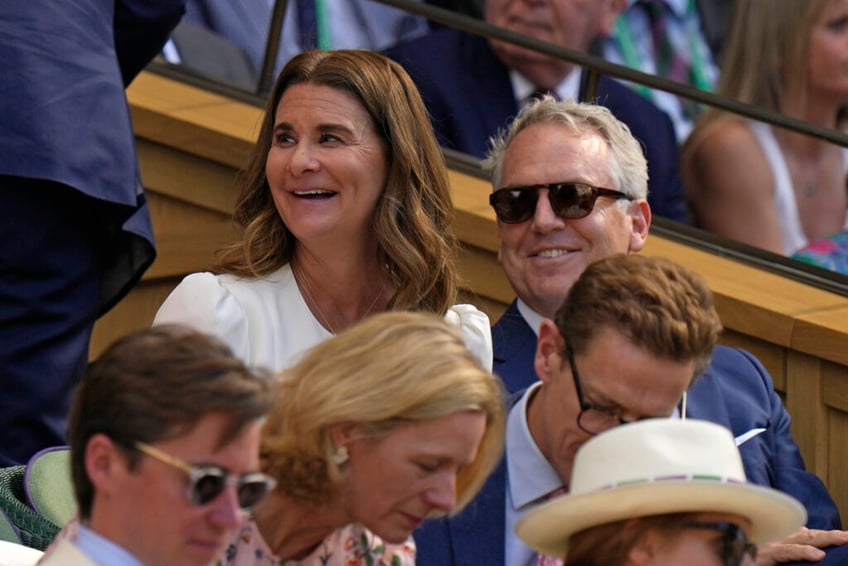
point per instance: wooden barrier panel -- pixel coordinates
(191, 144)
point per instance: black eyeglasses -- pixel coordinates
(568, 200)
(205, 483)
(733, 544)
(591, 420)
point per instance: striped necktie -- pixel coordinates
(669, 62)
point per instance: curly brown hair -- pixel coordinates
(659, 305)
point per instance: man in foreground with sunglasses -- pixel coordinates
(164, 435)
(570, 189)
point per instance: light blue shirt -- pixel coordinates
(102, 551)
(529, 479)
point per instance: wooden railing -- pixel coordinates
(191, 144)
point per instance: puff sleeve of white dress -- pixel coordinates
(476, 330)
(266, 322)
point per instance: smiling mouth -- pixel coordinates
(554, 253)
(314, 194)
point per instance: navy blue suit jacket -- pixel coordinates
(469, 95)
(64, 114)
(75, 229)
(736, 391)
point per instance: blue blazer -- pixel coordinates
(64, 114)
(736, 391)
(469, 95)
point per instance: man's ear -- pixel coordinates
(549, 349)
(103, 464)
(640, 214)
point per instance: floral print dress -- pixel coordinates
(353, 545)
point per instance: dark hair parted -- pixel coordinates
(155, 385)
(659, 305)
(413, 219)
(391, 369)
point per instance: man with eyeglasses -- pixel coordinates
(570, 189)
(164, 435)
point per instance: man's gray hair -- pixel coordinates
(628, 166)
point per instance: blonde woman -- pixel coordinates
(375, 430)
(763, 185)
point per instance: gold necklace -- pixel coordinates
(806, 167)
(313, 303)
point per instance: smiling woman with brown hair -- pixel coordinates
(345, 210)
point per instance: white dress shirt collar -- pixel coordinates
(529, 474)
(103, 551)
(568, 89)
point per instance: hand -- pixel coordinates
(805, 544)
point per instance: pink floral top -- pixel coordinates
(353, 545)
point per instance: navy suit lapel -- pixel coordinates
(514, 346)
(705, 400)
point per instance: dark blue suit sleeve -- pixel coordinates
(738, 392)
(141, 29)
(790, 474)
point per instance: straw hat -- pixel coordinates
(654, 467)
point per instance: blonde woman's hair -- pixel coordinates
(391, 369)
(764, 62)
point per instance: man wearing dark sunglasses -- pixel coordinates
(570, 189)
(164, 435)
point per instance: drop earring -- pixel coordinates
(341, 455)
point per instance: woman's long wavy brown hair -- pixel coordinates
(413, 221)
